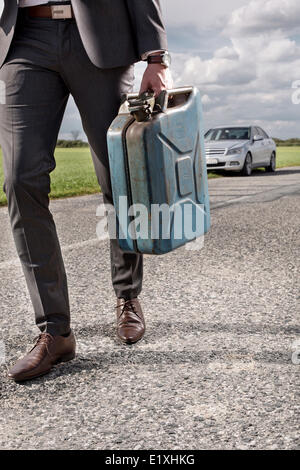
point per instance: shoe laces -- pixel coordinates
(127, 305)
(43, 339)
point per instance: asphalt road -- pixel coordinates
(215, 369)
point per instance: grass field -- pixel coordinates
(74, 174)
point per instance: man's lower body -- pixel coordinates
(46, 63)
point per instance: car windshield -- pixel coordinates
(229, 133)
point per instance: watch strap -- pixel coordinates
(155, 58)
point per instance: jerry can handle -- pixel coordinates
(143, 106)
(172, 98)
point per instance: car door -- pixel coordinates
(267, 145)
(257, 148)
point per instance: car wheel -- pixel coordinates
(247, 168)
(272, 167)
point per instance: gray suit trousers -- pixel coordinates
(46, 63)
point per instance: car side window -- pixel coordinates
(263, 133)
(255, 131)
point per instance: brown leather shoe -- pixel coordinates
(47, 351)
(130, 321)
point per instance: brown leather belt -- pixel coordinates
(55, 12)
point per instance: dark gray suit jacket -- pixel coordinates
(114, 32)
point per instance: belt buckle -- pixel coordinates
(61, 12)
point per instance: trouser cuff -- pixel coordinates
(127, 295)
(55, 329)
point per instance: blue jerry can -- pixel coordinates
(158, 171)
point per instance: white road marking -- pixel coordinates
(72, 246)
(270, 194)
(262, 196)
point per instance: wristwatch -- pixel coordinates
(163, 58)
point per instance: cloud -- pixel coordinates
(202, 14)
(243, 56)
(226, 52)
(222, 71)
(250, 79)
(261, 16)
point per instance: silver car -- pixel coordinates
(237, 148)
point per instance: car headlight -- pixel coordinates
(235, 151)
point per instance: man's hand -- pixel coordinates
(156, 78)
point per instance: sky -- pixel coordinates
(244, 57)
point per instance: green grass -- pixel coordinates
(288, 156)
(74, 174)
